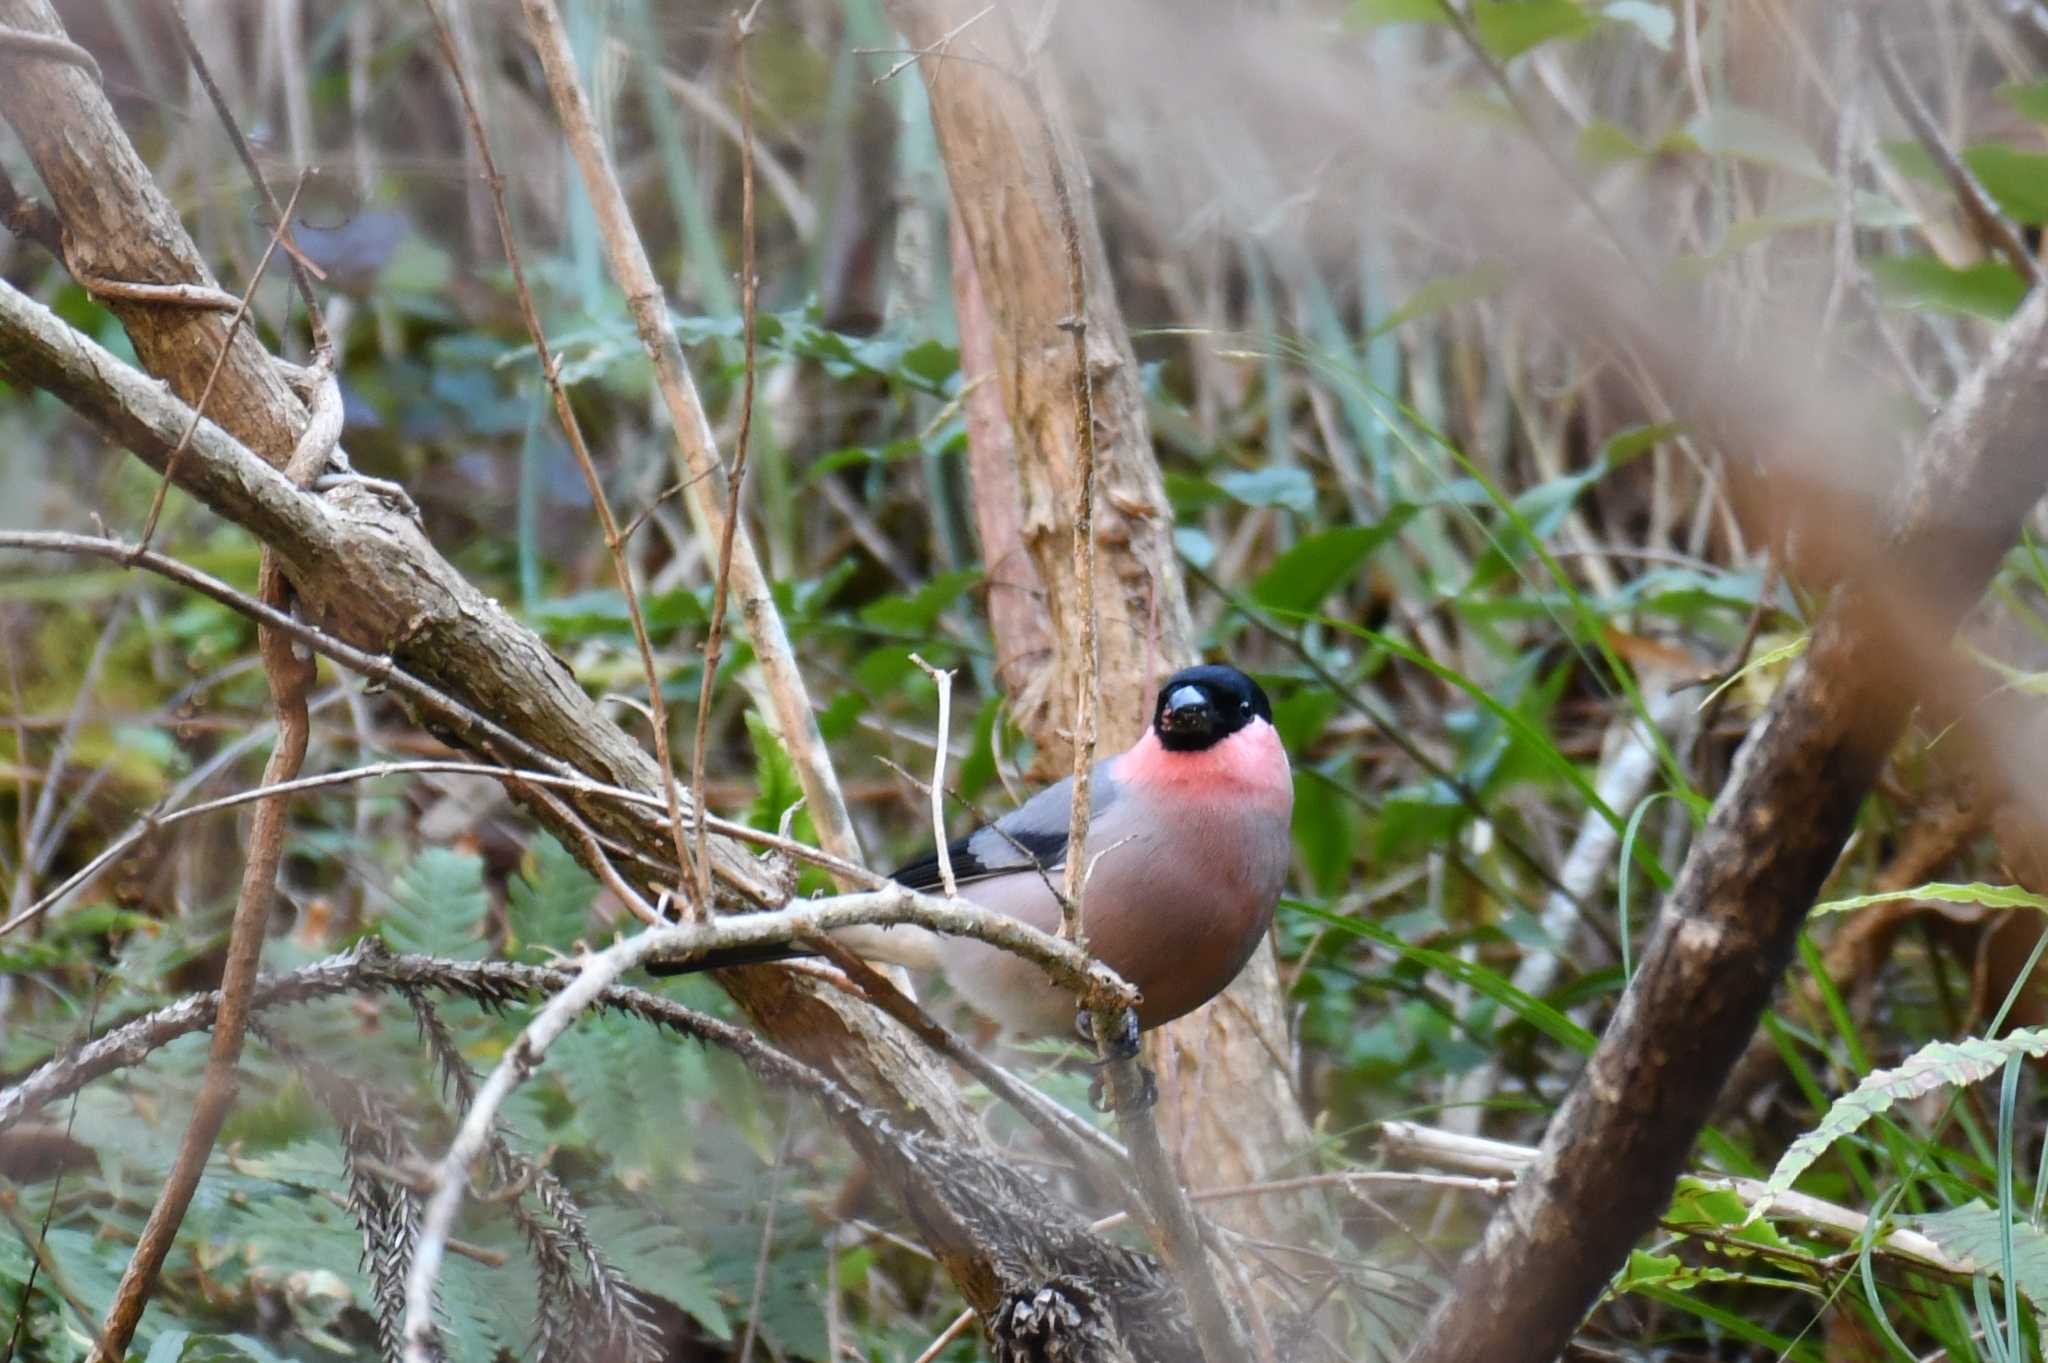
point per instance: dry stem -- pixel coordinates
(705, 483)
(614, 542)
(290, 676)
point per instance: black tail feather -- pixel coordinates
(729, 956)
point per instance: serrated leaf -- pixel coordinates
(1318, 564)
(1989, 289)
(1944, 892)
(1939, 1064)
(1976, 1233)
(1673, 1274)
(548, 903)
(662, 1259)
(438, 905)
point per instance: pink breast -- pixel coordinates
(1250, 765)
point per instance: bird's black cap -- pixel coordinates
(1200, 706)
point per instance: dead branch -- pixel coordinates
(706, 486)
(290, 676)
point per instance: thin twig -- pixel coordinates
(918, 54)
(316, 325)
(714, 634)
(1454, 1150)
(290, 677)
(55, 46)
(706, 489)
(203, 296)
(1992, 227)
(489, 735)
(946, 1336)
(1090, 1149)
(227, 340)
(550, 369)
(943, 679)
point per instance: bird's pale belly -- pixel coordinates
(1179, 930)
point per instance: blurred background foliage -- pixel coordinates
(1468, 558)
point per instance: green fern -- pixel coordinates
(660, 1258)
(438, 905)
(548, 903)
(1974, 1233)
(1939, 1064)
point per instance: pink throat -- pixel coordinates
(1248, 765)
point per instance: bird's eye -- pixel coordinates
(1244, 707)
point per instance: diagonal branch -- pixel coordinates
(1611, 1154)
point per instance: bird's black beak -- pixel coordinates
(1187, 718)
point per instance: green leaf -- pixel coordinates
(1990, 288)
(1508, 28)
(1318, 564)
(1646, 1271)
(1531, 1010)
(1326, 830)
(548, 903)
(1274, 485)
(777, 788)
(1748, 135)
(2017, 179)
(1939, 1064)
(1975, 892)
(916, 613)
(437, 906)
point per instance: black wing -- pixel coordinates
(986, 852)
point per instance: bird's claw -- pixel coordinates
(1098, 1091)
(382, 487)
(1123, 1045)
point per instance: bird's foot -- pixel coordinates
(1121, 1045)
(1098, 1091)
(382, 487)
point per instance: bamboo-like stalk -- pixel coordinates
(705, 485)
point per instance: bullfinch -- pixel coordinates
(1188, 836)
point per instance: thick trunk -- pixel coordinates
(1227, 1103)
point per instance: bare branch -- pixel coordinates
(706, 483)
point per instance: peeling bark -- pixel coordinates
(1227, 1103)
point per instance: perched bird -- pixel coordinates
(1188, 836)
